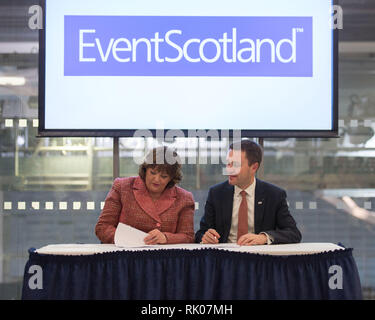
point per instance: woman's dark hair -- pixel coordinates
(163, 159)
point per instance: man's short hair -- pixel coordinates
(252, 150)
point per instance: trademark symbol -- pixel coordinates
(299, 29)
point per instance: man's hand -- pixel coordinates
(251, 239)
(155, 237)
(211, 237)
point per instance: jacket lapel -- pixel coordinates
(165, 201)
(153, 209)
(259, 204)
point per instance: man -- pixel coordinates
(246, 210)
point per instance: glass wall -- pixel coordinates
(52, 189)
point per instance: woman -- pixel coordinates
(150, 202)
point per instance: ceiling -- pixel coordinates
(359, 26)
(359, 20)
(14, 18)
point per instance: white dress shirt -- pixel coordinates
(237, 198)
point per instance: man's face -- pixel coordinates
(239, 172)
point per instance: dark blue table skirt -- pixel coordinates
(191, 274)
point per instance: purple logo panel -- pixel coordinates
(188, 46)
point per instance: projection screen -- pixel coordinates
(267, 68)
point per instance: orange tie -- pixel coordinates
(242, 216)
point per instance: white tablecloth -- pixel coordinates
(281, 249)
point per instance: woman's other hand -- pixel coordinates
(155, 237)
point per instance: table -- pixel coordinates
(191, 271)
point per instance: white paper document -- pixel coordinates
(127, 236)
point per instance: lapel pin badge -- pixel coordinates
(260, 202)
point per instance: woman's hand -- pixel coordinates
(155, 237)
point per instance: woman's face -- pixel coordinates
(156, 181)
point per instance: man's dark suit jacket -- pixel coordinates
(271, 213)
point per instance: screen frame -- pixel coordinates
(43, 132)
